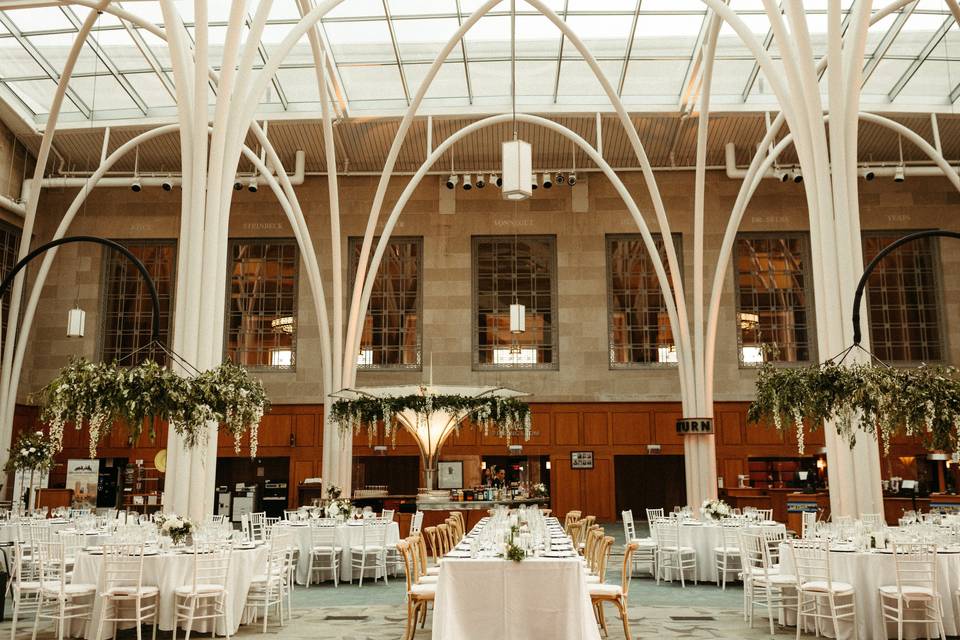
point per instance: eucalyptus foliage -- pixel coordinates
(100, 394)
(875, 399)
(509, 417)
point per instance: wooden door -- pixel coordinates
(649, 482)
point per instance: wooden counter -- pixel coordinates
(53, 498)
(799, 503)
(776, 499)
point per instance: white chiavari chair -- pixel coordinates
(124, 597)
(916, 584)
(416, 523)
(873, 521)
(266, 590)
(60, 599)
(726, 557)
(820, 597)
(24, 585)
(371, 554)
(324, 552)
(387, 514)
(645, 554)
(671, 555)
(808, 524)
(763, 584)
(205, 598)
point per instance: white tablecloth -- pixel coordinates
(867, 572)
(8, 529)
(169, 571)
(347, 535)
(704, 538)
(495, 598)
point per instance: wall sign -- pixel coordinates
(450, 475)
(581, 459)
(694, 426)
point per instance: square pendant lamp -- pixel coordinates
(76, 319)
(517, 168)
(518, 318)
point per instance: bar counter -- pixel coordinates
(436, 511)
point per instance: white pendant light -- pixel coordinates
(517, 159)
(76, 319)
(518, 318)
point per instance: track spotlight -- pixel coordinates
(534, 185)
(558, 179)
(868, 174)
(496, 180)
(136, 186)
(252, 185)
(797, 176)
(572, 179)
(167, 185)
(481, 183)
(782, 176)
(467, 185)
(547, 181)
(237, 185)
(899, 175)
(452, 181)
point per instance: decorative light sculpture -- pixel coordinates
(517, 169)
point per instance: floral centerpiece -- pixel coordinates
(175, 527)
(33, 450)
(539, 490)
(337, 507)
(715, 509)
(99, 394)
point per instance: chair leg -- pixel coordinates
(622, 606)
(603, 620)
(193, 610)
(16, 611)
(36, 617)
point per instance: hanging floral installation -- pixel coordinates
(32, 451)
(507, 417)
(99, 394)
(876, 399)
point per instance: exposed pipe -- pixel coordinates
(296, 178)
(730, 157)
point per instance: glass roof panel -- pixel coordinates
(299, 85)
(149, 87)
(102, 92)
(654, 81)
(372, 82)
(284, 10)
(56, 46)
(422, 39)
(15, 62)
(579, 85)
(622, 6)
(39, 19)
(121, 49)
(38, 95)
(274, 34)
(422, 7)
(604, 35)
(366, 41)
(357, 9)
(450, 82)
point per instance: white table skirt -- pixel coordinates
(706, 537)
(347, 535)
(8, 529)
(169, 571)
(867, 572)
(494, 598)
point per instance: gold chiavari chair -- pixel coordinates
(570, 518)
(432, 539)
(419, 596)
(590, 538)
(461, 523)
(443, 539)
(426, 572)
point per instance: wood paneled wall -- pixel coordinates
(606, 429)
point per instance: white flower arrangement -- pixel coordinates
(32, 450)
(539, 490)
(715, 509)
(175, 527)
(341, 509)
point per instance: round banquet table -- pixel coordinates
(347, 535)
(704, 537)
(169, 570)
(867, 571)
(8, 530)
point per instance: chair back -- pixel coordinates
(291, 514)
(51, 558)
(654, 514)
(808, 524)
(387, 514)
(443, 538)
(765, 514)
(323, 533)
(433, 540)
(602, 553)
(374, 533)
(123, 567)
(627, 568)
(416, 523)
(571, 517)
(811, 559)
(668, 533)
(590, 546)
(873, 521)
(629, 529)
(461, 523)
(754, 555)
(409, 570)
(421, 549)
(774, 537)
(916, 566)
(730, 530)
(211, 564)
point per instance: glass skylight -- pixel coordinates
(382, 50)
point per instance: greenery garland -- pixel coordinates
(508, 416)
(876, 399)
(32, 450)
(100, 394)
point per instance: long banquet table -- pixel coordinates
(541, 597)
(348, 535)
(867, 571)
(169, 570)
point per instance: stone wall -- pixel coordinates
(584, 374)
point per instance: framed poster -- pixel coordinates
(82, 477)
(450, 475)
(581, 459)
